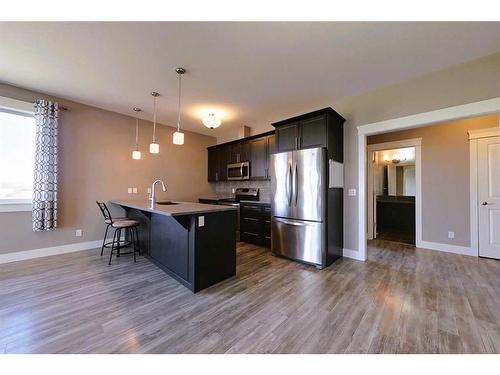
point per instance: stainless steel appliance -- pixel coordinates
(238, 171)
(299, 205)
(241, 194)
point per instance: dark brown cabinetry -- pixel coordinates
(239, 152)
(305, 133)
(316, 129)
(287, 137)
(255, 223)
(312, 132)
(213, 165)
(255, 149)
(258, 158)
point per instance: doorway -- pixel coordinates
(485, 107)
(394, 191)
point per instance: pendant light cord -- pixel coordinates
(154, 119)
(179, 105)
(136, 133)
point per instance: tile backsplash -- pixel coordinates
(225, 188)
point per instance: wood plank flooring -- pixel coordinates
(402, 300)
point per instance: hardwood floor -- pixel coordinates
(402, 300)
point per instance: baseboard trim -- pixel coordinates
(352, 254)
(49, 251)
(462, 250)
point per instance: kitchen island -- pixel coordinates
(192, 242)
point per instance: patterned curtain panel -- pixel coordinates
(45, 179)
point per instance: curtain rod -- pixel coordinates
(14, 103)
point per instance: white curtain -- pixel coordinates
(45, 174)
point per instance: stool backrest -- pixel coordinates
(105, 212)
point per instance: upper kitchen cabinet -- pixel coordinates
(287, 137)
(312, 132)
(255, 149)
(271, 149)
(239, 152)
(316, 129)
(213, 164)
(258, 158)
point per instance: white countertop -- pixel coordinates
(179, 209)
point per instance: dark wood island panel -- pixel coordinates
(198, 250)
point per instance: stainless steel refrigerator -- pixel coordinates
(299, 205)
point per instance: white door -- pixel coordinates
(489, 197)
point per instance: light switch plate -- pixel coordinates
(201, 221)
(134, 190)
(129, 190)
(149, 190)
(451, 234)
(351, 192)
(78, 233)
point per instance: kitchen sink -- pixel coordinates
(166, 203)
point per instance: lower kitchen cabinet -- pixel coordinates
(255, 223)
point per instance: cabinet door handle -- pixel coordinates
(250, 218)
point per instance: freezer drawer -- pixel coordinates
(299, 240)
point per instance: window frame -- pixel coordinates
(22, 108)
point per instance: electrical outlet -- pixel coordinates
(451, 234)
(78, 233)
(201, 221)
(129, 190)
(233, 190)
(351, 192)
(149, 190)
(134, 190)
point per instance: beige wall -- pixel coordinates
(95, 164)
(466, 83)
(445, 176)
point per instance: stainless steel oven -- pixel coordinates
(238, 171)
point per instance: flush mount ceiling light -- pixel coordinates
(154, 147)
(136, 154)
(211, 121)
(178, 138)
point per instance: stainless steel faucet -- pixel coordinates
(153, 194)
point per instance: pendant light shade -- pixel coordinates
(178, 137)
(211, 121)
(154, 147)
(136, 154)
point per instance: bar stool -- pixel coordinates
(108, 220)
(118, 224)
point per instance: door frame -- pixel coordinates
(408, 122)
(413, 142)
(474, 136)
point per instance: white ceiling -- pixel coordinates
(252, 73)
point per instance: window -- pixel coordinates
(17, 155)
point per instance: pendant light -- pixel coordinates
(154, 147)
(136, 154)
(178, 138)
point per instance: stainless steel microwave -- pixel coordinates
(238, 171)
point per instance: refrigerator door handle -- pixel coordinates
(290, 222)
(288, 185)
(296, 180)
